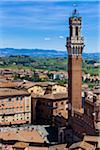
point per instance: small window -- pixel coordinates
(27, 107)
(17, 108)
(76, 31)
(66, 108)
(9, 99)
(21, 98)
(17, 98)
(12, 109)
(62, 103)
(60, 113)
(13, 99)
(56, 104)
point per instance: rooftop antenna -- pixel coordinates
(75, 12)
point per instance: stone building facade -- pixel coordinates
(52, 109)
(15, 106)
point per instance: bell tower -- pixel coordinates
(75, 45)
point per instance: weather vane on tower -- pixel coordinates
(75, 12)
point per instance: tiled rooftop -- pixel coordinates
(28, 84)
(23, 136)
(93, 139)
(56, 96)
(20, 145)
(58, 147)
(37, 148)
(83, 145)
(12, 92)
(8, 84)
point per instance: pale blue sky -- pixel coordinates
(44, 24)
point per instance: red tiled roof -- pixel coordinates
(12, 92)
(24, 136)
(55, 96)
(83, 145)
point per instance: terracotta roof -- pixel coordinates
(20, 145)
(23, 136)
(58, 147)
(8, 136)
(55, 96)
(37, 148)
(29, 84)
(83, 145)
(2, 78)
(12, 92)
(8, 84)
(26, 85)
(93, 139)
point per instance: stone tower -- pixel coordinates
(75, 45)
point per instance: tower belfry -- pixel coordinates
(75, 45)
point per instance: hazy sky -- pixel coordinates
(44, 24)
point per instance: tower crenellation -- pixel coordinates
(75, 42)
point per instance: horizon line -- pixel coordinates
(43, 49)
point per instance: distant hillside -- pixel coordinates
(42, 53)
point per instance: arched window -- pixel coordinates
(74, 51)
(56, 104)
(76, 31)
(62, 103)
